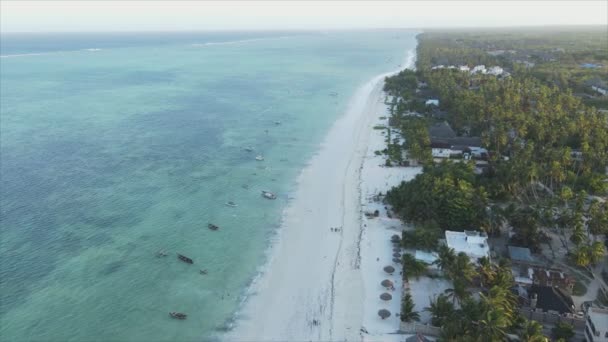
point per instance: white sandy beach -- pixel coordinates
(325, 285)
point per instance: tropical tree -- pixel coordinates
(441, 309)
(596, 252)
(486, 271)
(582, 256)
(458, 292)
(492, 326)
(412, 267)
(463, 268)
(407, 309)
(445, 258)
(532, 332)
(562, 330)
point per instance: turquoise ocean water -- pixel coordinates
(116, 146)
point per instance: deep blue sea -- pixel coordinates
(116, 146)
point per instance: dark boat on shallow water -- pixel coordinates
(212, 226)
(184, 259)
(178, 315)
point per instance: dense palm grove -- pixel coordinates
(548, 154)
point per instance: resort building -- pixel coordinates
(495, 70)
(596, 324)
(432, 102)
(479, 69)
(550, 299)
(600, 90)
(472, 243)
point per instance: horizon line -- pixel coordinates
(540, 26)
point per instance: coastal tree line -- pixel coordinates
(548, 155)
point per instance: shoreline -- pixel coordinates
(313, 272)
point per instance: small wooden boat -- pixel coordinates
(248, 149)
(185, 259)
(245, 186)
(161, 253)
(277, 123)
(259, 158)
(178, 315)
(268, 195)
(231, 204)
(212, 226)
(203, 272)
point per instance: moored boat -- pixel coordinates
(212, 226)
(231, 204)
(178, 315)
(259, 158)
(268, 195)
(184, 259)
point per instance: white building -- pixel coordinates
(596, 324)
(438, 67)
(440, 152)
(472, 243)
(464, 68)
(432, 102)
(495, 70)
(600, 90)
(479, 68)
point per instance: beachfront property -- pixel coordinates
(495, 70)
(464, 68)
(600, 90)
(478, 69)
(432, 102)
(549, 299)
(445, 143)
(596, 324)
(472, 243)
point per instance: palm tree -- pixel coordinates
(500, 298)
(533, 332)
(486, 270)
(582, 256)
(463, 268)
(441, 309)
(596, 252)
(412, 267)
(458, 292)
(407, 309)
(562, 330)
(492, 325)
(445, 259)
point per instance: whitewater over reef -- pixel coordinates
(113, 162)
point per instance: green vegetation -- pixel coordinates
(548, 153)
(579, 288)
(563, 331)
(445, 194)
(407, 309)
(412, 267)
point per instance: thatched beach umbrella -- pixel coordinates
(395, 238)
(386, 283)
(397, 260)
(384, 313)
(386, 296)
(389, 269)
(397, 255)
(397, 249)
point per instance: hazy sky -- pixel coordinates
(234, 15)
